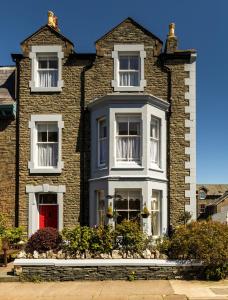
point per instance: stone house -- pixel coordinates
(111, 130)
(208, 194)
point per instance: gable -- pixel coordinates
(129, 31)
(46, 35)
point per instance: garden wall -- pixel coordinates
(104, 269)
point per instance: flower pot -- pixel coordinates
(145, 215)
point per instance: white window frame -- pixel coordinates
(157, 164)
(128, 49)
(32, 164)
(118, 191)
(99, 139)
(34, 55)
(159, 192)
(132, 118)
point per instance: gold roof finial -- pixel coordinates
(52, 20)
(171, 30)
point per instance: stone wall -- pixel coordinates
(8, 169)
(68, 103)
(54, 273)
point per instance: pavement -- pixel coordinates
(115, 290)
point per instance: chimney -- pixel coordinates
(171, 42)
(52, 20)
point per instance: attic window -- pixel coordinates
(129, 67)
(46, 65)
(202, 195)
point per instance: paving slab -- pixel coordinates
(195, 289)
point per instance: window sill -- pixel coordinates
(127, 167)
(101, 168)
(156, 169)
(33, 170)
(117, 88)
(48, 89)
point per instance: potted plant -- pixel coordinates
(109, 213)
(145, 212)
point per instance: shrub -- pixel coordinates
(102, 240)
(44, 240)
(206, 241)
(2, 224)
(13, 235)
(131, 238)
(77, 239)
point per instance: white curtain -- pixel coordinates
(47, 154)
(48, 78)
(128, 148)
(155, 223)
(154, 151)
(129, 79)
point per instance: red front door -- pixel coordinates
(48, 216)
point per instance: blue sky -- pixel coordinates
(200, 24)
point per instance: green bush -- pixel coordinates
(102, 240)
(131, 238)
(77, 240)
(2, 224)
(13, 235)
(206, 241)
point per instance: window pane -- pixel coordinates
(134, 128)
(42, 136)
(122, 148)
(47, 155)
(53, 63)
(133, 79)
(103, 129)
(124, 79)
(134, 216)
(42, 64)
(134, 148)
(121, 204)
(47, 198)
(47, 78)
(155, 223)
(123, 62)
(154, 151)
(53, 136)
(123, 128)
(154, 128)
(134, 204)
(134, 62)
(122, 215)
(102, 151)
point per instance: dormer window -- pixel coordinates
(46, 68)
(128, 68)
(202, 195)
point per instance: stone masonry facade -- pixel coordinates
(87, 77)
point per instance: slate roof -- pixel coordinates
(220, 199)
(7, 85)
(213, 189)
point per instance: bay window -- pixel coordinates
(155, 213)
(155, 142)
(128, 139)
(102, 143)
(127, 205)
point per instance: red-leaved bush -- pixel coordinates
(43, 240)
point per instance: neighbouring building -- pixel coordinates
(86, 133)
(208, 194)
